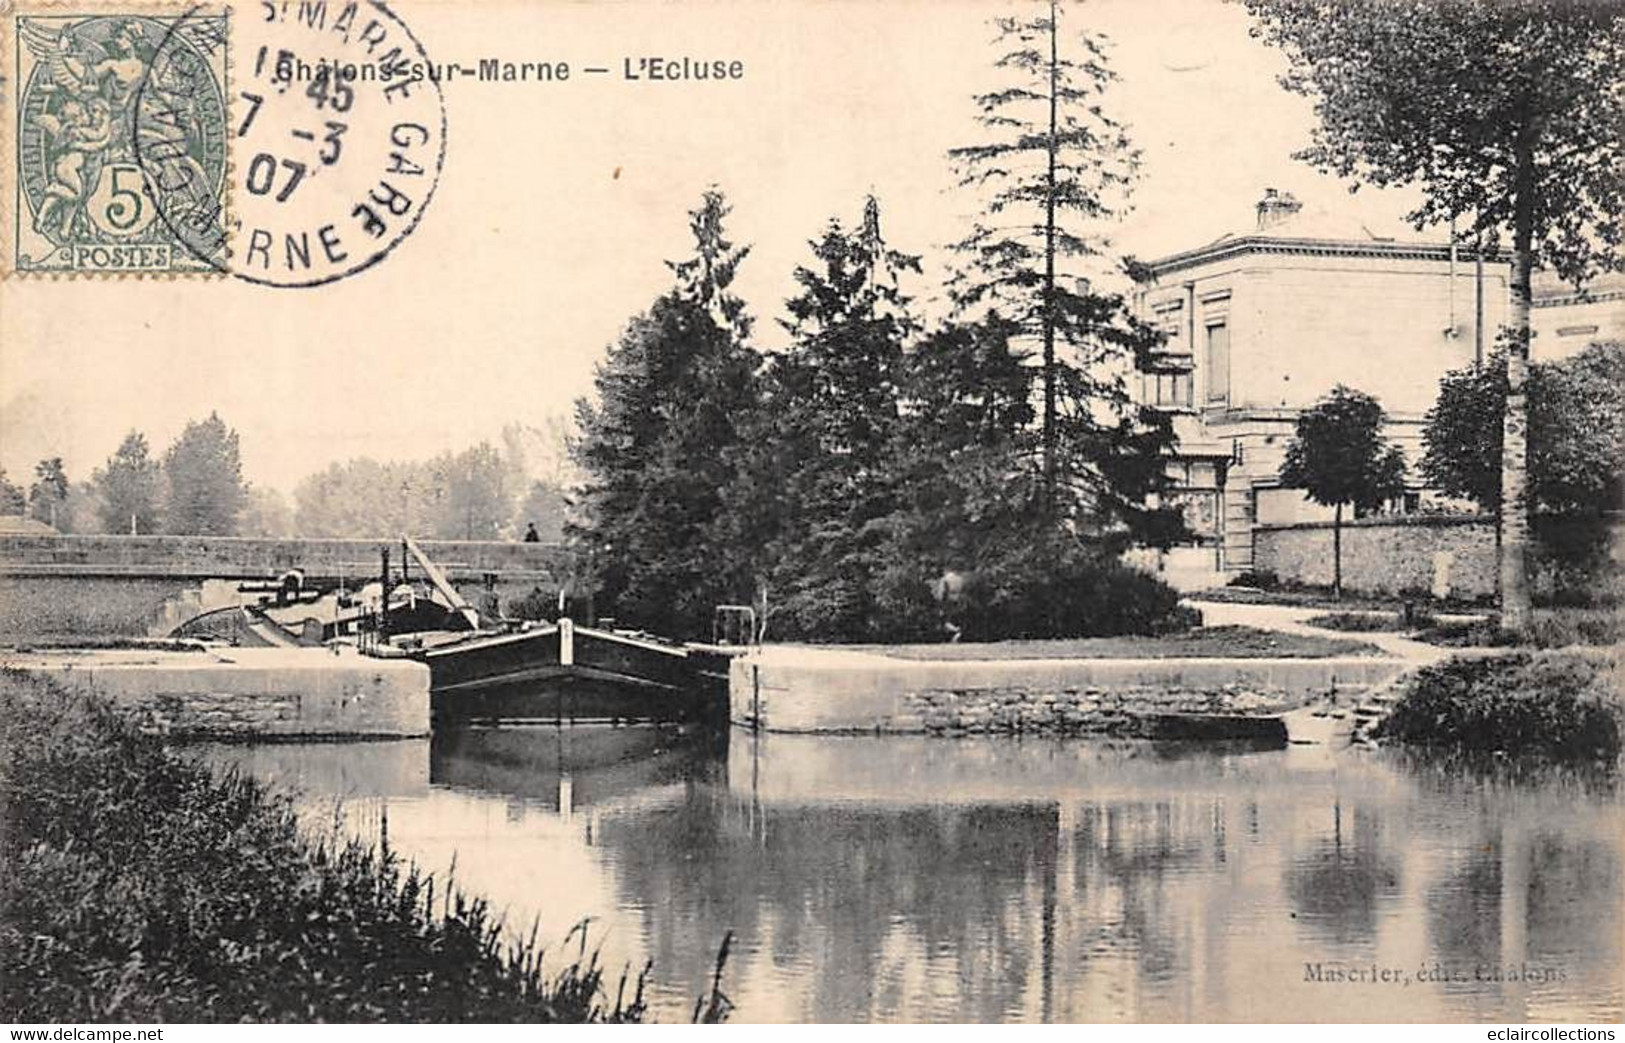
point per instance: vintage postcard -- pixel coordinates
(833, 511)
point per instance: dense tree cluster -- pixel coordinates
(196, 489)
(879, 478)
(873, 480)
(485, 492)
(1576, 433)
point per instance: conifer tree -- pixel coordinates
(1054, 173)
(660, 443)
(833, 413)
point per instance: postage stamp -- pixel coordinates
(119, 139)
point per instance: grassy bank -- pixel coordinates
(1351, 601)
(1548, 627)
(1227, 642)
(1561, 703)
(135, 886)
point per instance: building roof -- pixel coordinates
(1319, 224)
(1308, 232)
(1284, 226)
(1548, 290)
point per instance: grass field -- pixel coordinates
(1229, 642)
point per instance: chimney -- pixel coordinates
(1276, 207)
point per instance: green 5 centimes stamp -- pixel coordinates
(119, 143)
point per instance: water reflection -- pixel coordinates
(915, 879)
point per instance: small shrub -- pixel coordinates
(1576, 627)
(1077, 596)
(1262, 579)
(1562, 704)
(538, 604)
(1055, 588)
(1417, 614)
(1359, 622)
(1574, 565)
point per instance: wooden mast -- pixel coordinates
(442, 584)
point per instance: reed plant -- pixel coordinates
(137, 885)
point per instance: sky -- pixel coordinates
(559, 203)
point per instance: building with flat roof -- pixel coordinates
(1261, 324)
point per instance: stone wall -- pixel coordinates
(1444, 555)
(1091, 710)
(34, 607)
(805, 689)
(251, 693)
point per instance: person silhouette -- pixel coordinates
(531, 535)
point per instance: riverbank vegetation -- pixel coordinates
(136, 886)
(1559, 703)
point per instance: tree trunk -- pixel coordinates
(1337, 551)
(1049, 268)
(1514, 521)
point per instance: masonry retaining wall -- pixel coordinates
(813, 690)
(249, 693)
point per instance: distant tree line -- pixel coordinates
(196, 488)
(485, 492)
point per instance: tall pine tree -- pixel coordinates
(660, 445)
(1055, 171)
(831, 431)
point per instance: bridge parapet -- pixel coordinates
(64, 587)
(230, 557)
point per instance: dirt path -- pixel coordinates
(1293, 619)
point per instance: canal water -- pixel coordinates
(913, 879)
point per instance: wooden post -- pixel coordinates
(383, 601)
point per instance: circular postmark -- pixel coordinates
(91, 203)
(338, 138)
